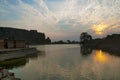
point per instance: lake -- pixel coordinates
(67, 62)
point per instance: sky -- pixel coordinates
(62, 19)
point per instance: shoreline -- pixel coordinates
(111, 49)
(7, 54)
(6, 75)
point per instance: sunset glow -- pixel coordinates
(99, 29)
(100, 56)
(67, 18)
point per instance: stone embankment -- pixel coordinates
(6, 75)
(7, 54)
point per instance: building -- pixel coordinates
(9, 44)
(20, 44)
(2, 43)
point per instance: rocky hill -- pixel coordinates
(31, 37)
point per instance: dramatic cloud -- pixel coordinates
(62, 19)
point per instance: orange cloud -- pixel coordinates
(100, 28)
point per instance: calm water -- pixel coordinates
(67, 62)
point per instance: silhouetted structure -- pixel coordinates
(31, 37)
(4, 44)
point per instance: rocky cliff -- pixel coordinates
(31, 37)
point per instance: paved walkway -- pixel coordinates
(2, 50)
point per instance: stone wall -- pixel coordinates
(31, 37)
(1, 44)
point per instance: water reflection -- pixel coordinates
(21, 61)
(84, 50)
(100, 56)
(58, 63)
(13, 63)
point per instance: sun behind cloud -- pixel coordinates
(100, 28)
(62, 19)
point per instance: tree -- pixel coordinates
(48, 40)
(85, 37)
(68, 41)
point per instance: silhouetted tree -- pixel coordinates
(68, 41)
(48, 40)
(85, 37)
